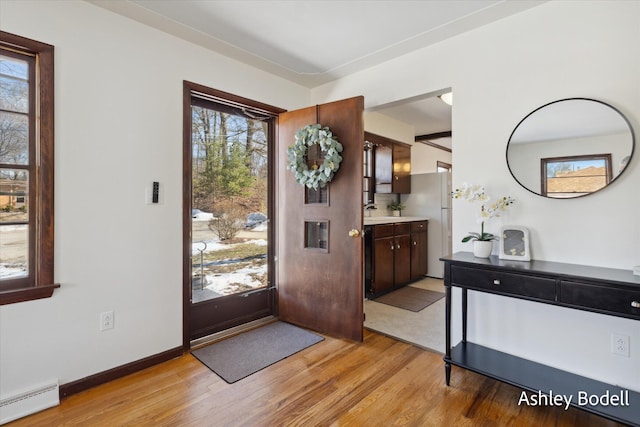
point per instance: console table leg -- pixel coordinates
(447, 323)
(464, 315)
(447, 372)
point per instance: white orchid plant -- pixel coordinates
(476, 193)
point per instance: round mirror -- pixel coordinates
(570, 148)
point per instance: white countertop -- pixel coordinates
(375, 220)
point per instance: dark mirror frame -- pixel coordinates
(611, 178)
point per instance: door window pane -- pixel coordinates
(316, 197)
(229, 203)
(316, 235)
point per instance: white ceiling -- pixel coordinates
(315, 42)
(427, 114)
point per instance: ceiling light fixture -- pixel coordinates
(447, 98)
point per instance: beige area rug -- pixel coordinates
(424, 329)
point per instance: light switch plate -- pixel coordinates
(149, 194)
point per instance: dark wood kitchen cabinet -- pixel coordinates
(401, 179)
(418, 249)
(382, 264)
(391, 164)
(391, 256)
(392, 260)
(402, 254)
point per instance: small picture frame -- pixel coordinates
(514, 243)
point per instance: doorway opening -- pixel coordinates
(430, 119)
(228, 180)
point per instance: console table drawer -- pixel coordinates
(504, 283)
(601, 298)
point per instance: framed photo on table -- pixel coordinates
(514, 243)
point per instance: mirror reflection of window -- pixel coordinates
(575, 176)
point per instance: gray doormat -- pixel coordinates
(244, 354)
(410, 298)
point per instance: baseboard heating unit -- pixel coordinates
(29, 402)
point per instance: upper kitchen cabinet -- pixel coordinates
(391, 164)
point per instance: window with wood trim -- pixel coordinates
(443, 167)
(26, 169)
(573, 176)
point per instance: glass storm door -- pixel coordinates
(228, 249)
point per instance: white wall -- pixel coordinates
(118, 87)
(425, 158)
(500, 73)
(388, 127)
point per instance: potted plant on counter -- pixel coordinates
(396, 208)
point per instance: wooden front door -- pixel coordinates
(320, 287)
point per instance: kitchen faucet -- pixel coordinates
(368, 207)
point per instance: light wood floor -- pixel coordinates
(381, 382)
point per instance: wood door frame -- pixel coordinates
(189, 88)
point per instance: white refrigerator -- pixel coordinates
(431, 197)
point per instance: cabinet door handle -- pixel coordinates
(392, 246)
(415, 243)
(398, 247)
(496, 281)
(635, 304)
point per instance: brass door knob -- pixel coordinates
(354, 233)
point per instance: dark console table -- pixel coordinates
(602, 290)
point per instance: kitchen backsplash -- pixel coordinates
(381, 201)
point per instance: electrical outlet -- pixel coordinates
(106, 320)
(620, 344)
